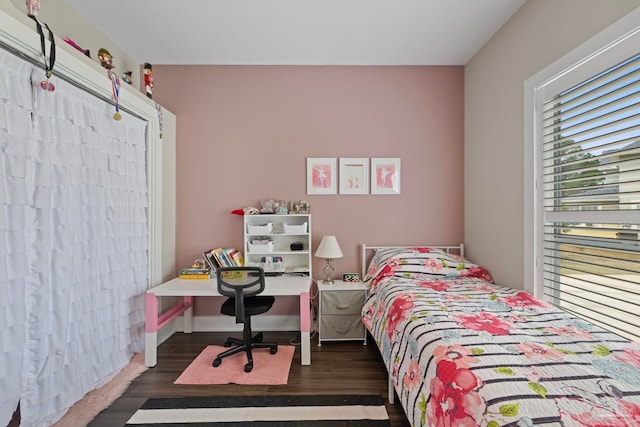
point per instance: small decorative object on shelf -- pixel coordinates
(246, 211)
(267, 206)
(105, 58)
(199, 263)
(33, 6)
(127, 77)
(148, 79)
(281, 207)
(77, 47)
(300, 207)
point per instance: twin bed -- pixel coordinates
(463, 351)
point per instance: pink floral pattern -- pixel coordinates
(439, 286)
(533, 350)
(412, 378)
(570, 331)
(457, 354)
(454, 403)
(591, 411)
(478, 272)
(398, 312)
(462, 351)
(433, 263)
(525, 300)
(484, 322)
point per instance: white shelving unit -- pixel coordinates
(269, 236)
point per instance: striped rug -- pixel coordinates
(258, 411)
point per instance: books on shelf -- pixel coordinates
(211, 260)
(236, 257)
(223, 257)
(195, 273)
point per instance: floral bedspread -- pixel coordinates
(462, 351)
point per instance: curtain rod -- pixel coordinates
(67, 79)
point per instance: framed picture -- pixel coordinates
(299, 207)
(321, 175)
(354, 175)
(385, 175)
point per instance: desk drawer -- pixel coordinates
(342, 302)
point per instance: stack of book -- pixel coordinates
(227, 257)
(195, 273)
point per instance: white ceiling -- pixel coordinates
(299, 32)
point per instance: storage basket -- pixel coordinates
(261, 246)
(259, 228)
(295, 228)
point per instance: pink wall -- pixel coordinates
(244, 133)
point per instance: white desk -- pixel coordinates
(275, 286)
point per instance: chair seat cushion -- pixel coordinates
(252, 305)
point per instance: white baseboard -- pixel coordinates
(227, 324)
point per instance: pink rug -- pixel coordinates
(86, 409)
(268, 369)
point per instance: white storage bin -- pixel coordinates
(261, 246)
(260, 228)
(295, 228)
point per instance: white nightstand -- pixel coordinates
(340, 317)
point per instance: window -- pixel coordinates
(586, 180)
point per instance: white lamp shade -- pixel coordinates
(329, 248)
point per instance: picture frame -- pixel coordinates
(385, 175)
(299, 207)
(354, 175)
(321, 175)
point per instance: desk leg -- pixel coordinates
(151, 330)
(305, 328)
(188, 315)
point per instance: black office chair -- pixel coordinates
(242, 285)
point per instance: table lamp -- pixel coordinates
(328, 249)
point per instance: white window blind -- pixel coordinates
(590, 136)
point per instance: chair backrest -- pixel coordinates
(240, 283)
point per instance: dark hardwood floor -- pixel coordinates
(346, 367)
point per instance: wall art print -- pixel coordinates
(321, 175)
(385, 175)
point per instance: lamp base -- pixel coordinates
(328, 273)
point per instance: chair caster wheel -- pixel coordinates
(248, 367)
(259, 337)
(216, 362)
(227, 344)
(273, 350)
